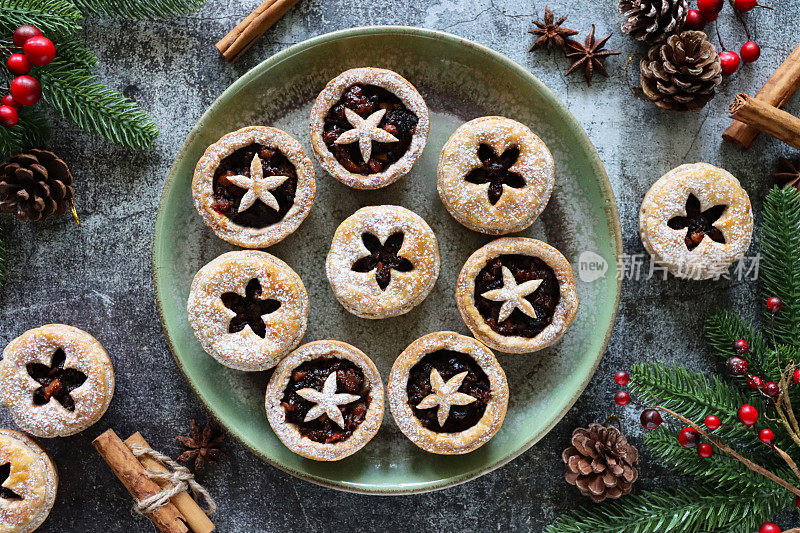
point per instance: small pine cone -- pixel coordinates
(600, 462)
(652, 21)
(683, 73)
(35, 185)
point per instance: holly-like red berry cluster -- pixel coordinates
(35, 49)
(708, 11)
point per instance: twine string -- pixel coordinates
(180, 479)
(635, 91)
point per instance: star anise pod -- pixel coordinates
(789, 174)
(550, 32)
(204, 445)
(589, 56)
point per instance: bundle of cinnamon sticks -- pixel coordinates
(243, 36)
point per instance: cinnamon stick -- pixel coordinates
(131, 473)
(776, 92)
(766, 118)
(195, 517)
(243, 36)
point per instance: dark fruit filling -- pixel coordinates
(698, 223)
(449, 363)
(495, 171)
(312, 374)
(227, 195)
(56, 381)
(544, 299)
(249, 308)
(365, 100)
(5, 492)
(383, 258)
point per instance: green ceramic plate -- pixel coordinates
(460, 80)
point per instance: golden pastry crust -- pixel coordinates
(83, 353)
(210, 318)
(469, 203)
(227, 229)
(395, 84)
(32, 476)
(360, 292)
(448, 443)
(564, 312)
(288, 433)
(667, 199)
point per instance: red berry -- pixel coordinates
(771, 389)
(622, 378)
(710, 8)
(730, 62)
(748, 415)
(774, 304)
(694, 20)
(712, 422)
(766, 436)
(737, 366)
(688, 437)
(8, 116)
(39, 50)
(9, 101)
(750, 52)
(745, 5)
(797, 501)
(705, 450)
(769, 527)
(622, 398)
(18, 64)
(26, 90)
(650, 419)
(755, 382)
(741, 346)
(796, 376)
(25, 32)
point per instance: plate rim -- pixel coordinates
(610, 209)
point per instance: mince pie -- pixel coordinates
(325, 400)
(517, 295)
(28, 483)
(383, 261)
(448, 393)
(495, 175)
(254, 186)
(368, 127)
(56, 380)
(248, 309)
(696, 221)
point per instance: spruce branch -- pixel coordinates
(780, 270)
(682, 510)
(725, 327)
(56, 18)
(32, 130)
(138, 9)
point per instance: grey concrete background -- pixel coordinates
(98, 277)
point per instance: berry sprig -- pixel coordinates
(30, 48)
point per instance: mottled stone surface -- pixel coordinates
(98, 277)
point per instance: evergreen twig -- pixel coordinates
(725, 327)
(138, 9)
(56, 18)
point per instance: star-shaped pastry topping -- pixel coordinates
(445, 395)
(327, 401)
(698, 224)
(513, 295)
(365, 130)
(257, 186)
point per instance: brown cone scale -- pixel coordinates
(35, 185)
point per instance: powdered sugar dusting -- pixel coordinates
(288, 432)
(210, 319)
(469, 203)
(83, 353)
(448, 443)
(359, 292)
(667, 199)
(392, 82)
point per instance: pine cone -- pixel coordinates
(682, 73)
(600, 462)
(652, 21)
(35, 185)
